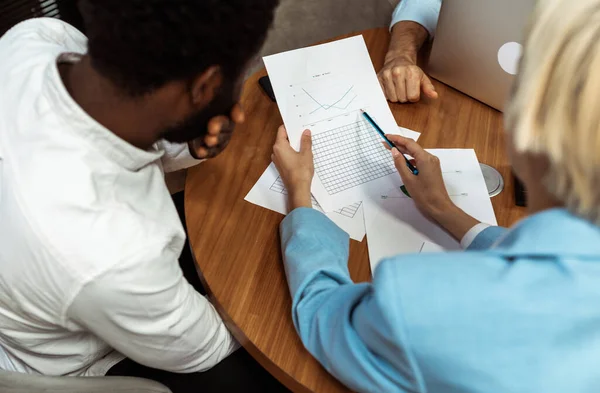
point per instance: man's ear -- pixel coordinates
(205, 86)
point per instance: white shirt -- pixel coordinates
(89, 235)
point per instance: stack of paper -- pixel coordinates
(269, 192)
(323, 88)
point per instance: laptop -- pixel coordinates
(477, 46)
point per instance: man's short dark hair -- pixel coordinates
(140, 45)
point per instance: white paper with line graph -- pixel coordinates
(269, 192)
(323, 88)
(395, 226)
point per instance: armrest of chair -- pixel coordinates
(11, 382)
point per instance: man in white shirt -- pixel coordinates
(89, 235)
(413, 22)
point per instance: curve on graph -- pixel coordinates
(334, 105)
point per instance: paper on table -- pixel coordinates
(323, 88)
(269, 192)
(405, 132)
(395, 226)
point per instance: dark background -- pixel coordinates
(15, 11)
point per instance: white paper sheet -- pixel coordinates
(269, 192)
(323, 88)
(395, 226)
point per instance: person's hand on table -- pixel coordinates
(427, 189)
(220, 129)
(402, 80)
(295, 168)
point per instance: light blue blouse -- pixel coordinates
(424, 12)
(519, 311)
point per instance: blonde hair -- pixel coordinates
(555, 105)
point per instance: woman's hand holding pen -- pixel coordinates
(295, 168)
(427, 189)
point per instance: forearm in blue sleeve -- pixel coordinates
(314, 250)
(342, 324)
(424, 12)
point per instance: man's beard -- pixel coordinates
(196, 126)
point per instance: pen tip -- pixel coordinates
(362, 111)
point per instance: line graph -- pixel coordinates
(404, 194)
(334, 105)
(324, 99)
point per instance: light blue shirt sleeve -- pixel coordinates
(424, 12)
(486, 238)
(343, 325)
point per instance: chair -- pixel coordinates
(11, 382)
(11, 13)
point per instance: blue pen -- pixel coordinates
(410, 166)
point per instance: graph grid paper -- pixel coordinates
(349, 156)
(348, 211)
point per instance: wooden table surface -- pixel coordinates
(236, 244)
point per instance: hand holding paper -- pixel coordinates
(295, 168)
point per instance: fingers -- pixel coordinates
(282, 134)
(281, 143)
(401, 167)
(428, 87)
(201, 152)
(400, 84)
(404, 83)
(220, 123)
(408, 146)
(237, 114)
(306, 143)
(413, 85)
(216, 124)
(211, 140)
(380, 79)
(401, 148)
(390, 88)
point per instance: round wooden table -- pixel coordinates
(236, 244)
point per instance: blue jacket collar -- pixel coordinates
(550, 233)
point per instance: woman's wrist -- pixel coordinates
(454, 220)
(300, 196)
(443, 215)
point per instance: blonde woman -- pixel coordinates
(519, 310)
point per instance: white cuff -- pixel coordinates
(468, 238)
(177, 156)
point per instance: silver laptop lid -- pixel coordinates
(477, 46)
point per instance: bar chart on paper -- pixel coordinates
(347, 211)
(270, 192)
